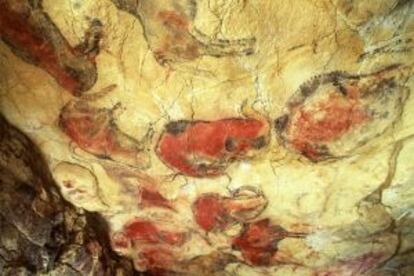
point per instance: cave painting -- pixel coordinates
(158, 250)
(258, 241)
(154, 245)
(171, 36)
(228, 192)
(142, 187)
(206, 148)
(215, 212)
(334, 113)
(79, 184)
(94, 130)
(32, 36)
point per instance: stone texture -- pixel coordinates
(41, 233)
(212, 137)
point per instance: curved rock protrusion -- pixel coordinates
(333, 114)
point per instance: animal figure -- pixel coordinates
(32, 36)
(333, 114)
(206, 148)
(171, 35)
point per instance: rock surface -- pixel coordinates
(41, 233)
(207, 137)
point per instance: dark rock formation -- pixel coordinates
(40, 231)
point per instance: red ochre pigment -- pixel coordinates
(205, 148)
